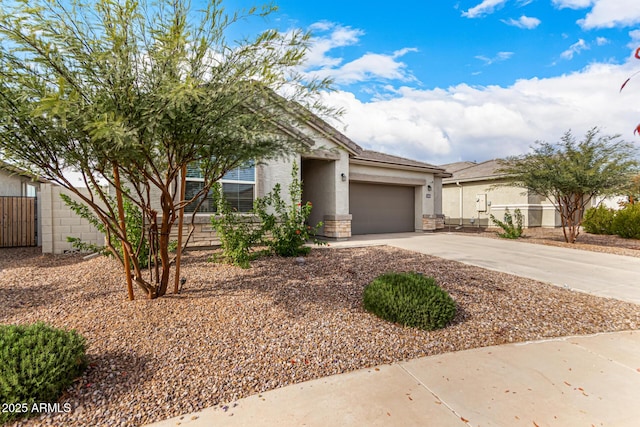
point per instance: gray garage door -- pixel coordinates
(381, 208)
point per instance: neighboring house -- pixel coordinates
(15, 182)
(19, 225)
(353, 191)
(476, 190)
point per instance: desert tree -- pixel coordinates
(127, 93)
(571, 173)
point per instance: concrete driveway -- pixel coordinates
(596, 273)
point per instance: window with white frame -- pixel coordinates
(238, 188)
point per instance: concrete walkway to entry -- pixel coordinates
(574, 381)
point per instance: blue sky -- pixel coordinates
(444, 43)
(443, 81)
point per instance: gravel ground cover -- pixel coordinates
(233, 332)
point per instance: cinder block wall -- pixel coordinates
(58, 222)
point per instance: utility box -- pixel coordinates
(481, 202)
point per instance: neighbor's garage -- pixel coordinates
(381, 208)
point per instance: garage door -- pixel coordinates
(381, 208)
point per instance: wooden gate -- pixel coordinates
(18, 222)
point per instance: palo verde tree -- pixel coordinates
(129, 92)
(570, 173)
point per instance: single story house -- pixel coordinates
(474, 191)
(353, 191)
(15, 182)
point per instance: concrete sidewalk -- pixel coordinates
(579, 381)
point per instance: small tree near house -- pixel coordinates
(130, 93)
(570, 173)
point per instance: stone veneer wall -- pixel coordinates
(337, 226)
(432, 222)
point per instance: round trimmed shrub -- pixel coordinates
(38, 362)
(409, 299)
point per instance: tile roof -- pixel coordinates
(376, 156)
(455, 167)
(477, 172)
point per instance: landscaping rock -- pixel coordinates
(235, 332)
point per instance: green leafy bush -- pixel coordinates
(599, 220)
(238, 234)
(626, 222)
(286, 223)
(409, 299)
(278, 225)
(510, 231)
(38, 363)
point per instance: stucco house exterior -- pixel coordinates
(15, 182)
(475, 190)
(353, 191)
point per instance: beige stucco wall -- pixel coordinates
(57, 222)
(536, 210)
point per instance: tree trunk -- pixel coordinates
(125, 250)
(183, 184)
(163, 249)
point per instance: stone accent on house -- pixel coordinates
(204, 235)
(337, 226)
(432, 222)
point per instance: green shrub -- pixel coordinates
(38, 363)
(599, 220)
(281, 227)
(510, 231)
(238, 234)
(626, 222)
(286, 224)
(409, 299)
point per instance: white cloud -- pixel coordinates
(484, 8)
(572, 4)
(611, 13)
(370, 66)
(635, 39)
(604, 13)
(575, 48)
(480, 123)
(500, 56)
(601, 41)
(339, 36)
(524, 22)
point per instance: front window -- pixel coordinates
(238, 189)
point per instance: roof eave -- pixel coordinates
(368, 162)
